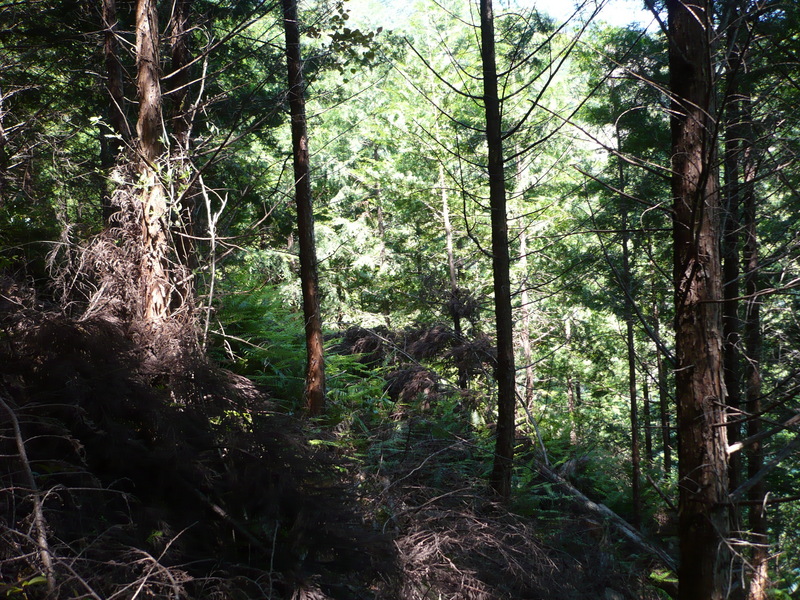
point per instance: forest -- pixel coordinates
(370, 299)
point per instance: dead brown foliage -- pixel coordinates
(106, 277)
(453, 540)
(162, 477)
(412, 382)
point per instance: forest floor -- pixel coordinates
(136, 470)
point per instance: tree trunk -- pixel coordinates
(179, 77)
(625, 279)
(730, 255)
(636, 476)
(753, 350)
(524, 299)
(315, 368)
(455, 302)
(703, 468)
(572, 387)
(505, 372)
(148, 127)
(114, 134)
(155, 279)
(646, 418)
(181, 120)
(525, 325)
(663, 397)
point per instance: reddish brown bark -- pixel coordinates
(148, 127)
(315, 368)
(703, 467)
(155, 280)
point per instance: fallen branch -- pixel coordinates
(38, 514)
(609, 515)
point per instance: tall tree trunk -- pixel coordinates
(525, 314)
(181, 120)
(703, 467)
(315, 367)
(753, 349)
(625, 279)
(155, 279)
(113, 135)
(179, 77)
(663, 396)
(573, 394)
(646, 418)
(636, 474)
(455, 303)
(730, 250)
(505, 372)
(521, 185)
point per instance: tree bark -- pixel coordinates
(703, 468)
(148, 127)
(315, 367)
(572, 387)
(505, 372)
(155, 277)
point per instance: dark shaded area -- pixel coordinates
(159, 472)
(171, 475)
(455, 541)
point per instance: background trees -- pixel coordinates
(155, 185)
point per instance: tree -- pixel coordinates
(505, 372)
(315, 367)
(154, 270)
(703, 469)
(116, 133)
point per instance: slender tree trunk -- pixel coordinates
(455, 302)
(525, 300)
(180, 118)
(114, 134)
(525, 313)
(315, 368)
(730, 255)
(636, 475)
(663, 397)
(505, 372)
(155, 278)
(571, 404)
(626, 281)
(703, 468)
(753, 349)
(648, 430)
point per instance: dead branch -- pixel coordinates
(613, 518)
(38, 514)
